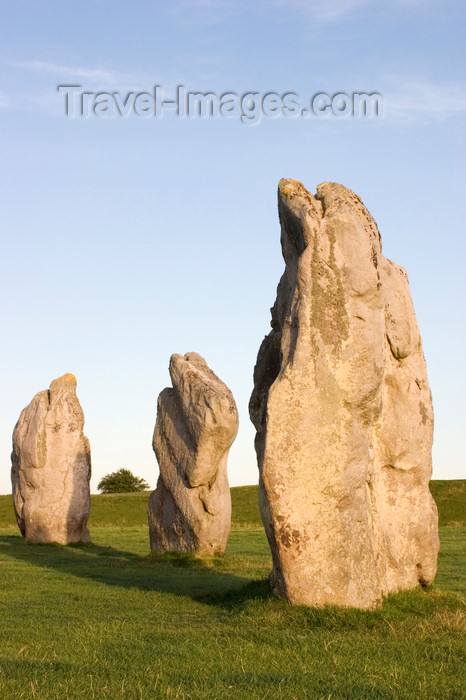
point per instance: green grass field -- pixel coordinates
(109, 620)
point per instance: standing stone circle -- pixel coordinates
(343, 412)
(197, 422)
(51, 467)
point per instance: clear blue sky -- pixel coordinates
(125, 240)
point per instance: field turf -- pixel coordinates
(110, 620)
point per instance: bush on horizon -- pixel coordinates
(122, 481)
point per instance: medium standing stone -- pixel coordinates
(343, 412)
(51, 467)
(197, 422)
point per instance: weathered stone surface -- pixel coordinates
(343, 412)
(51, 467)
(197, 422)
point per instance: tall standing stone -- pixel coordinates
(343, 412)
(51, 467)
(197, 422)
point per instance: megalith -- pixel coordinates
(51, 467)
(343, 412)
(197, 422)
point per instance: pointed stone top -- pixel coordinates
(299, 210)
(63, 384)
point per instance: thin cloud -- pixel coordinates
(64, 72)
(43, 95)
(219, 11)
(329, 11)
(414, 99)
(98, 78)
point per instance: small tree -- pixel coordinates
(122, 481)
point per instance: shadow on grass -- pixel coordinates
(10, 668)
(206, 581)
(181, 574)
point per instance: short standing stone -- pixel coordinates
(197, 422)
(51, 467)
(343, 412)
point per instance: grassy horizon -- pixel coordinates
(129, 509)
